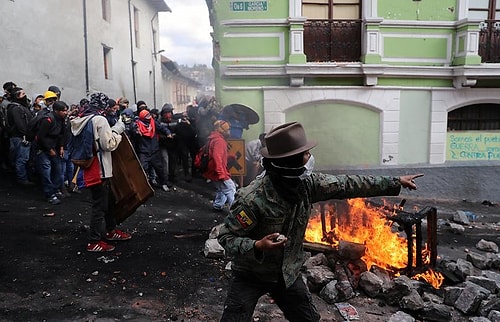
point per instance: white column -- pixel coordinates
(463, 8)
(369, 8)
(295, 8)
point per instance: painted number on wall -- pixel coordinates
(249, 6)
(471, 146)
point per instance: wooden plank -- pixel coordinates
(129, 183)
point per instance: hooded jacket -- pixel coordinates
(107, 140)
(217, 164)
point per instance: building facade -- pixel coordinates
(82, 47)
(179, 90)
(375, 82)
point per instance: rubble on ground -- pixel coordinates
(471, 289)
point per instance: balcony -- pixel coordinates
(340, 41)
(489, 41)
(332, 40)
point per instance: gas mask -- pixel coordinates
(126, 118)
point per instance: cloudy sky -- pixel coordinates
(185, 32)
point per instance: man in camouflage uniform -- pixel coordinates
(265, 229)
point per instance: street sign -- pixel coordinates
(236, 157)
(248, 5)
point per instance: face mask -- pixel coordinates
(309, 167)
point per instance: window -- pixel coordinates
(136, 28)
(331, 9)
(489, 34)
(479, 117)
(484, 9)
(106, 51)
(106, 10)
(332, 31)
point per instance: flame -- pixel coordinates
(430, 276)
(367, 225)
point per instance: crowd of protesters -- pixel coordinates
(165, 142)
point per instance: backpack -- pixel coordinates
(34, 124)
(202, 157)
(81, 147)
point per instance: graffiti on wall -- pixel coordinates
(473, 146)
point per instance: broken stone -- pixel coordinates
(478, 260)
(493, 260)
(370, 283)
(494, 315)
(343, 286)
(479, 319)
(492, 275)
(489, 306)
(329, 293)
(449, 268)
(412, 301)
(384, 276)
(461, 217)
(401, 316)
(435, 312)
(487, 246)
(400, 288)
(213, 249)
(430, 297)
(469, 300)
(485, 282)
(464, 269)
(316, 260)
(451, 294)
(214, 232)
(456, 228)
(318, 277)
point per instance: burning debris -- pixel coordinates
(380, 251)
(389, 238)
(361, 248)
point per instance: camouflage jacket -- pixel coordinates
(258, 211)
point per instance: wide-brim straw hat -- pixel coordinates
(286, 140)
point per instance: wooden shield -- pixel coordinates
(129, 183)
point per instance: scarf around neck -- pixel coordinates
(146, 128)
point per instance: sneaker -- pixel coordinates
(54, 200)
(99, 247)
(117, 234)
(60, 195)
(165, 188)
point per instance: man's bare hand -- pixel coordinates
(271, 241)
(408, 181)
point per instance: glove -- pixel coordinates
(119, 127)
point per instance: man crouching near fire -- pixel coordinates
(264, 231)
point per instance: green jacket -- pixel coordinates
(259, 211)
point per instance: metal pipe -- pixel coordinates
(132, 63)
(86, 47)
